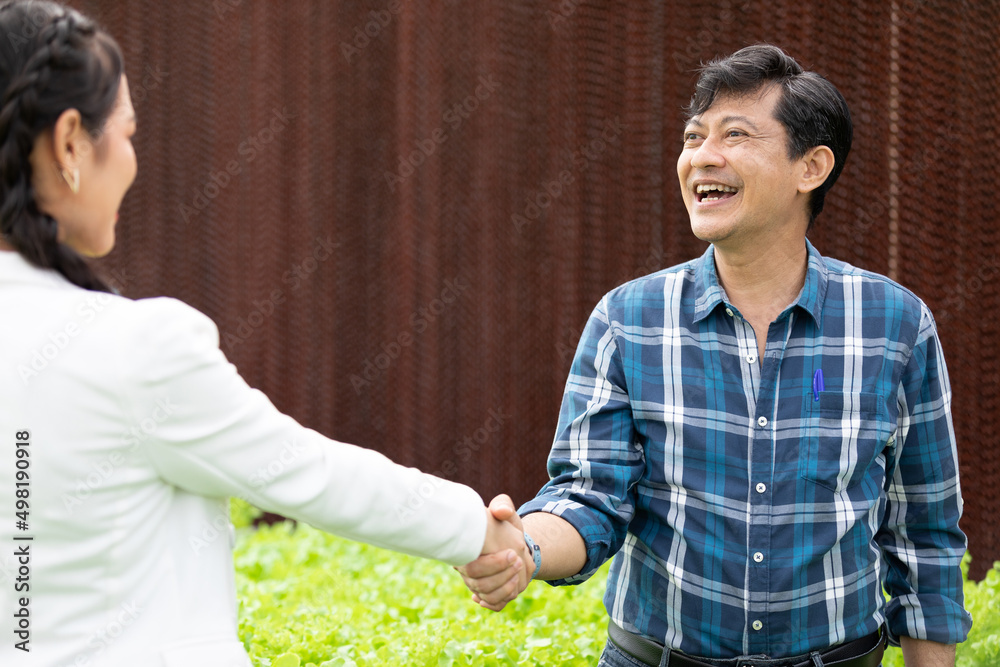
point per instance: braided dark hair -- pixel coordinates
(52, 58)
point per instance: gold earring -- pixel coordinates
(73, 181)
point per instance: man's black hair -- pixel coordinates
(811, 109)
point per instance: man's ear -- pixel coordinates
(70, 140)
(817, 164)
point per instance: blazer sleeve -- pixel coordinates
(204, 430)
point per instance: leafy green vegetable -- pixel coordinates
(330, 602)
(982, 599)
(241, 513)
(309, 599)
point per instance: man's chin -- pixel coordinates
(710, 231)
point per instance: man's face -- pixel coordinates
(736, 178)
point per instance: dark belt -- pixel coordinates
(864, 652)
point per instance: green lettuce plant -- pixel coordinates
(309, 599)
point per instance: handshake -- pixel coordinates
(506, 565)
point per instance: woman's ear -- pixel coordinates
(817, 164)
(56, 159)
(70, 140)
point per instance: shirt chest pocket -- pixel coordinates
(845, 434)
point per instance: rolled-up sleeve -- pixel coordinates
(920, 537)
(595, 461)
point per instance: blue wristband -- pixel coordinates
(536, 553)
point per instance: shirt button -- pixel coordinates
(729, 311)
(751, 358)
(761, 487)
(761, 421)
(758, 557)
(757, 625)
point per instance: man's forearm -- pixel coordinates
(563, 551)
(924, 653)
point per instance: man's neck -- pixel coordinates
(761, 282)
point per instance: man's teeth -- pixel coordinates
(714, 187)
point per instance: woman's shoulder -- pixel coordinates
(168, 309)
(153, 340)
(107, 327)
(49, 304)
(163, 320)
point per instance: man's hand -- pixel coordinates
(504, 569)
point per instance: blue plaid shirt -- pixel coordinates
(752, 513)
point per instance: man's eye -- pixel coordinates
(736, 133)
(690, 136)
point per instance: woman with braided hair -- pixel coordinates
(124, 429)
(73, 63)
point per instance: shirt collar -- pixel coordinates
(709, 293)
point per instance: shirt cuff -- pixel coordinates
(929, 616)
(586, 522)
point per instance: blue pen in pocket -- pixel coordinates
(818, 385)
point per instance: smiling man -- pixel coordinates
(762, 435)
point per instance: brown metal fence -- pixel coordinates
(401, 214)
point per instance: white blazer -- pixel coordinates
(137, 432)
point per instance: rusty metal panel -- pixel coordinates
(401, 214)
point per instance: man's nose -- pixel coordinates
(708, 154)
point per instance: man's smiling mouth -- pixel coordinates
(714, 192)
